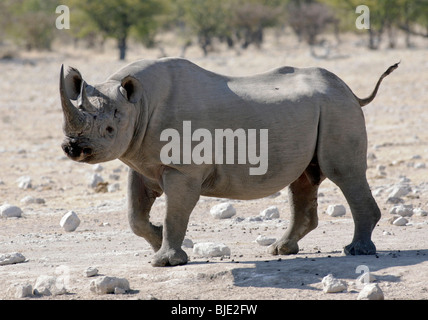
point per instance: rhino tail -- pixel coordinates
(366, 101)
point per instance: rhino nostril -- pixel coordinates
(87, 151)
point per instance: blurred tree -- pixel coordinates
(30, 22)
(116, 18)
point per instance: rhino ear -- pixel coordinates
(73, 83)
(131, 89)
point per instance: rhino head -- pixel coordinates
(101, 126)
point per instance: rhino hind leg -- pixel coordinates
(302, 195)
(140, 201)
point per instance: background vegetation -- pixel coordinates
(30, 24)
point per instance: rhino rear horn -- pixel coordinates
(131, 89)
(74, 119)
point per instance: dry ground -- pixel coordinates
(30, 138)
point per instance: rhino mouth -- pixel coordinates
(77, 152)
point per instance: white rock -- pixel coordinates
(211, 249)
(336, 210)
(97, 167)
(49, 285)
(420, 165)
(265, 241)
(8, 211)
(24, 182)
(223, 210)
(21, 290)
(113, 187)
(31, 199)
(402, 210)
(399, 191)
(91, 271)
(420, 212)
(94, 179)
(187, 243)
(331, 284)
(104, 285)
(11, 258)
(70, 221)
(270, 213)
(400, 221)
(371, 291)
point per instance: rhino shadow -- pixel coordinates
(301, 272)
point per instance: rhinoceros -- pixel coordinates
(312, 123)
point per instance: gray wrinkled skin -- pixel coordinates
(316, 131)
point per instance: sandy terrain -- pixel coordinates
(30, 138)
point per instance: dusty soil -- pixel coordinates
(30, 138)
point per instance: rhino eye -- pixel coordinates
(109, 129)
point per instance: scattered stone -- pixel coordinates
(104, 285)
(113, 187)
(394, 200)
(11, 258)
(49, 286)
(211, 249)
(70, 221)
(402, 210)
(400, 221)
(97, 167)
(399, 191)
(21, 290)
(91, 272)
(420, 212)
(9, 211)
(223, 210)
(420, 165)
(31, 200)
(187, 243)
(332, 285)
(24, 182)
(270, 213)
(265, 241)
(94, 179)
(336, 210)
(371, 291)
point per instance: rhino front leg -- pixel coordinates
(182, 193)
(302, 195)
(140, 201)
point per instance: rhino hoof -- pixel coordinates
(171, 257)
(283, 247)
(360, 248)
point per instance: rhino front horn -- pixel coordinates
(74, 119)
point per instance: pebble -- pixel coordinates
(106, 284)
(371, 291)
(24, 182)
(21, 290)
(399, 191)
(211, 249)
(49, 286)
(402, 210)
(223, 210)
(31, 200)
(113, 187)
(9, 211)
(270, 213)
(11, 258)
(420, 212)
(332, 285)
(187, 243)
(94, 179)
(70, 221)
(91, 272)
(400, 221)
(97, 167)
(336, 210)
(265, 241)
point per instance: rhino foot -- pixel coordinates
(170, 257)
(360, 247)
(283, 247)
